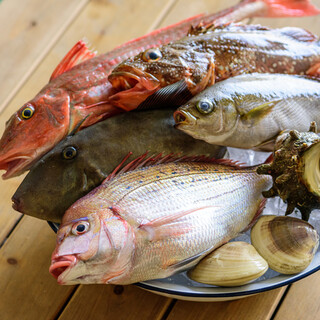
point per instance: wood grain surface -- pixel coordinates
(36, 35)
(29, 29)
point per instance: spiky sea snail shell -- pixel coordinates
(295, 171)
(288, 244)
(233, 264)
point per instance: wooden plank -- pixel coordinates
(114, 302)
(302, 300)
(257, 307)
(29, 29)
(28, 291)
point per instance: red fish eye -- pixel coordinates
(27, 112)
(80, 228)
(151, 55)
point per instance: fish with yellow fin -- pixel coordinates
(249, 111)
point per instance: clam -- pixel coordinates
(295, 171)
(287, 244)
(233, 264)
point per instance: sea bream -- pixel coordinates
(155, 221)
(249, 111)
(82, 161)
(181, 69)
(78, 92)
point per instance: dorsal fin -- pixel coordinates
(145, 161)
(298, 34)
(78, 53)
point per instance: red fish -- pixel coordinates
(77, 94)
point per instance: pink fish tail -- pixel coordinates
(290, 8)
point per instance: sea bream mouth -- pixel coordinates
(61, 266)
(14, 165)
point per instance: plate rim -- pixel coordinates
(298, 277)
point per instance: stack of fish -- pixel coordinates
(122, 221)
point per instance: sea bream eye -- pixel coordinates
(69, 153)
(80, 228)
(205, 106)
(151, 55)
(27, 112)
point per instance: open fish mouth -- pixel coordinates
(15, 165)
(123, 80)
(61, 266)
(183, 118)
(130, 77)
(133, 87)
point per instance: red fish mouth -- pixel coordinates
(133, 87)
(15, 165)
(60, 267)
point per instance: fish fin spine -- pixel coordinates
(78, 53)
(145, 161)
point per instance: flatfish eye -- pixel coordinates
(151, 55)
(27, 112)
(80, 227)
(205, 106)
(69, 153)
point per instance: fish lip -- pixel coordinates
(17, 204)
(125, 80)
(61, 266)
(182, 117)
(15, 165)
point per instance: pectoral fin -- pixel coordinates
(169, 226)
(173, 95)
(181, 265)
(258, 113)
(267, 145)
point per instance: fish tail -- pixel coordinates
(290, 8)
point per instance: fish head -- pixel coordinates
(205, 114)
(33, 130)
(94, 245)
(69, 171)
(139, 77)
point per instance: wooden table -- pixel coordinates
(35, 35)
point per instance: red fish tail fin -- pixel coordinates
(290, 8)
(78, 53)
